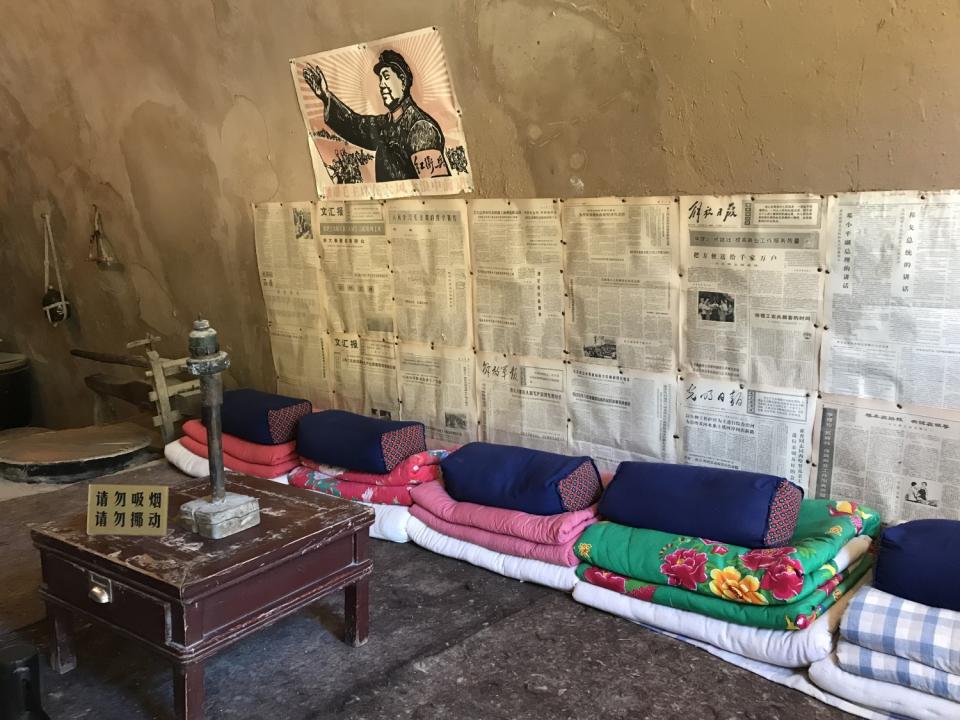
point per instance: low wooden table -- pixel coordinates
(188, 598)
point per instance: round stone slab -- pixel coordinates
(64, 456)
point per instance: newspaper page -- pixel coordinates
(904, 463)
(356, 286)
(289, 269)
(893, 300)
(753, 284)
(623, 414)
(728, 425)
(621, 265)
(431, 271)
(522, 401)
(437, 388)
(518, 276)
(302, 359)
(382, 119)
(365, 372)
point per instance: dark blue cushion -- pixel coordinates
(741, 508)
(357, 442)
(917, 561)
(516, 478)
(261, 417)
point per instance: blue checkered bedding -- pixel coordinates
(906, 630)
(899, 671)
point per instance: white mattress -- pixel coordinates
(881, 696)
(518, 568)
(786, 648)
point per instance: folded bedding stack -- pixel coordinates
(376, 462)
(735, 559)
(511, 510)
(259, 431)
(899, 647)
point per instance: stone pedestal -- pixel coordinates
(215, 519)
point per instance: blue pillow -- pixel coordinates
(749, 509)
(516, 478)
(357, 442)
(917, 561)
(261, 417)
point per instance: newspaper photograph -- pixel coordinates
(621, 268)
(382, 119)
(516, 248)
(356, 285)
(892, 299)
(618, 415)
(752, 283)
(522, 401)
(431, 271)
(725, 424)
(290, 277)
(437, 388)
(906, 464)
(365, 375)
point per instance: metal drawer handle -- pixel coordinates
(99, 594)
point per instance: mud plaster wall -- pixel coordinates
(174, 116)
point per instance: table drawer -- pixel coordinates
(113, 602)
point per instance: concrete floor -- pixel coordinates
(448, 641)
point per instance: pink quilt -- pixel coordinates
(548, 538)
(244, 450)
(508, 544)
(560, 529)
(267, 472)
(419, 468)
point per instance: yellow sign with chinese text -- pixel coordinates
(127, 509)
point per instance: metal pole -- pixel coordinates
(207, 361)
(211, 391)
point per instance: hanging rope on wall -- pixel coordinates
(55, 306)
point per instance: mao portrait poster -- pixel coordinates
(382, 119)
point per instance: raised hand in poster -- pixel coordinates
(407, 140)
(382, 119)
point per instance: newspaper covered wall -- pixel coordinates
(905, 463)
(430, 263)
(522, 401)
(623, 414)
(438, 388)
(893, 300)
(730, 425)
(289, 268)
(370, 309)
(356, 285)
(516, 248)
(620, 263)
(753, 278)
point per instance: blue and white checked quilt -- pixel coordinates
(899, 671)
(906, 630)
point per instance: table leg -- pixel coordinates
(357, 612)
(63, 659)
(188, 691)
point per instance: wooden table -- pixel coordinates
(188, 598)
